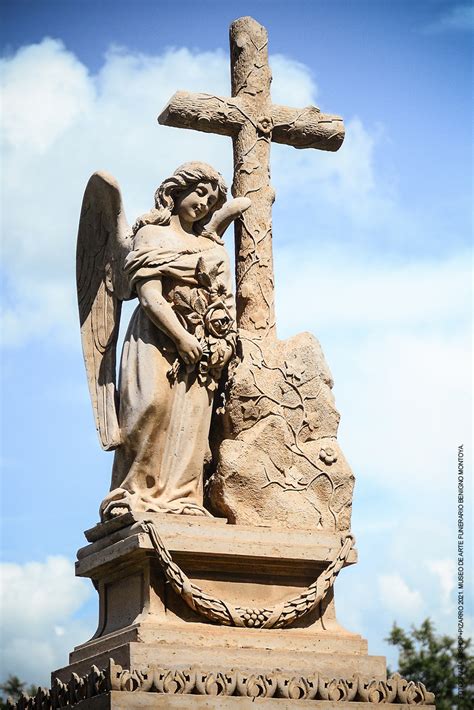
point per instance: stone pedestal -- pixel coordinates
(142, 621)
(151, 701)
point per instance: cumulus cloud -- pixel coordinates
(396, 336)
(397, 596)
(445, 571)
(39, 601)
(61, 124)
(393, 330)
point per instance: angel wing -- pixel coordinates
(103, 241)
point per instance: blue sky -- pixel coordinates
(371, 255)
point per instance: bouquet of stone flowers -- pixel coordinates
(205, 312)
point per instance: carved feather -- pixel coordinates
(103, 241)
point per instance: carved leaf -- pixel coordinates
(259, 318)
(249, 166)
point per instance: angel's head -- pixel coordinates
(194, 191)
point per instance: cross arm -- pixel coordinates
(202, 112)
(307, 128)
(300, 128)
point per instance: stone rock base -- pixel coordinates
(278, 458)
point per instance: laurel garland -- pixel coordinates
(225, 614)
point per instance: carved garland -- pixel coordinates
(224, 613)
(223, 682)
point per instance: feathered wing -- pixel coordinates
(103, 241)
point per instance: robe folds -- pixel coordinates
(165, 406)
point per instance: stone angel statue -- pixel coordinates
(180, 338)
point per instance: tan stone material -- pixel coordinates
(279, 461)
(153, 686)
(180, 337)
(253, 122)
(236, 610)
(143, 620)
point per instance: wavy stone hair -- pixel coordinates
(184, 177)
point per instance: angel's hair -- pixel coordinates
(184, 177)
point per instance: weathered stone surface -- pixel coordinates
(143, 620)
(253, 122)
(153, 685)
(279, 461)
(180, 338)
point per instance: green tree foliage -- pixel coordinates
(13, 688)
(445, 668)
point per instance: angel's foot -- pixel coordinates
(185, 508)
(120, 501)
(116, 503)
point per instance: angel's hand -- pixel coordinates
(231, 211)
(189, 349)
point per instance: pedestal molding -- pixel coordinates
(227, 683)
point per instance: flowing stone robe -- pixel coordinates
(165, 418)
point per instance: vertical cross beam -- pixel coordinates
(252, 121)
(251, 78)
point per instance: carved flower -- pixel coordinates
(265, 125)
(217, 319)
(328, 455)
(246, 251)
(217, 289)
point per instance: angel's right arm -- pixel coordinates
(159, 311)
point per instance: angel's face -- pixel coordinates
(195, 203)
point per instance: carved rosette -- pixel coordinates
(223, 682)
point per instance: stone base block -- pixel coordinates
(143, 621)
(149, 701)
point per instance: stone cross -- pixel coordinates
(252, 121)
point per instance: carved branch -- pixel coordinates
(251, 79)
(307, 128)
(202, 112)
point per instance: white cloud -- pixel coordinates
(343, 287)
(445, 571)
(459, 18)
(393, 332)
(397, 596)
(45, 91)
(292, 83)
(396, 337)
(39, 601)
(81, 123)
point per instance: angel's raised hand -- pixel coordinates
(231, 211)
